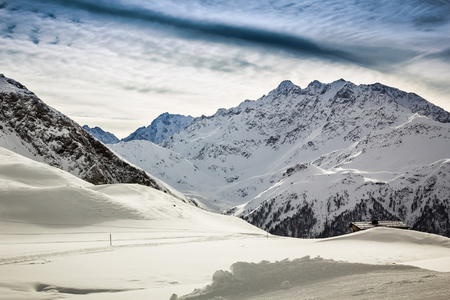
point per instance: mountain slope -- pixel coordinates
(322, 203)
(31, 128)
(34, 193)
(164, 126)
(364, 137)
(173, 169)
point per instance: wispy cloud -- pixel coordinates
(370, 56)
(443, 55)
(315, 38)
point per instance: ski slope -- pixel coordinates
(64, 238)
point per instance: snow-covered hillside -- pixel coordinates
(105, 137)
(164, 126)
(172, 168)
(62, 237)
(358, 152)
(31, 128)
(35, 193)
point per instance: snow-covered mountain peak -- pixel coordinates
(340, 82)
(316, 87)
(286, 85)
(164, 126)
(284, 88)
(103, 136)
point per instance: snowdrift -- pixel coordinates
(306, 277)
(256, 280)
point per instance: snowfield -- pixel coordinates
(63, 238)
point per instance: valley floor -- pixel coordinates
(156, 259)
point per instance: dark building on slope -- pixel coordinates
(357, 226)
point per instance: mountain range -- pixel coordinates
(315, 158)
(311, 159)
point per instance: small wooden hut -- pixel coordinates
(357, 226)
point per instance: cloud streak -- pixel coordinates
(373, 57)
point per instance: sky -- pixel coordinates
(118, 64)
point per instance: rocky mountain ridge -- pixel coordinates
(33, 129)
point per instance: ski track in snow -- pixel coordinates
(118, 244)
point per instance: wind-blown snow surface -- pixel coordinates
(55, 243)
(317, 158)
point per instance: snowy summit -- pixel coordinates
(103, 136)
(164, 126)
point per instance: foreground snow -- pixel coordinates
(55, 243)
(149, 261)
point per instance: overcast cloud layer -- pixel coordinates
(118, 64)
